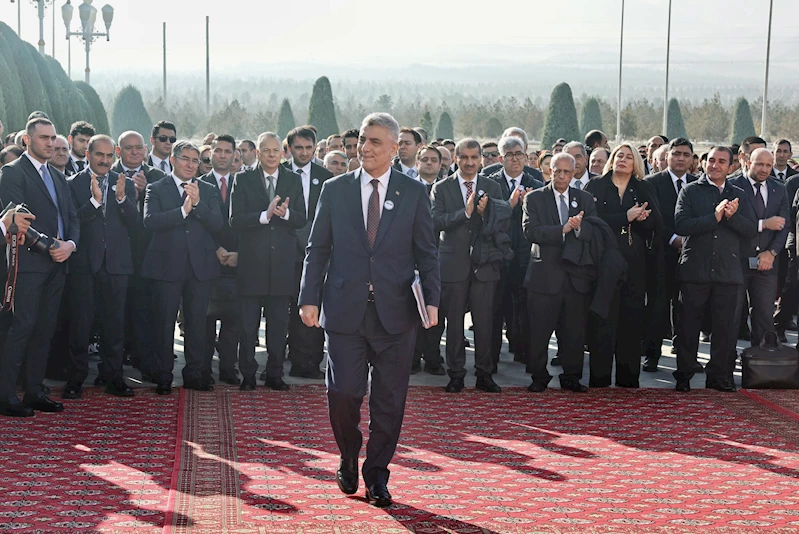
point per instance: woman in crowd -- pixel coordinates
(543, 165)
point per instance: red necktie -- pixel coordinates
(373, 214)
(185, 194)
(469, 188)
(223, 189)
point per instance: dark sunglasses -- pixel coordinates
(490, 154)
(164, 139)
(207, 161)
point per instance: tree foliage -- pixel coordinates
(426, 122)
(494, 128)
(561, 118)
(444, 129)
(285, 120)
(322, 111)
(675, 126)
(742, 124)
(591, 116)
(128, 113)
(98, 110)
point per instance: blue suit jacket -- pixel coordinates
(175, 239)
(338, 241)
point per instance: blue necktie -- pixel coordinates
(48, 182)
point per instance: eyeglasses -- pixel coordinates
(490, 154)
(165, 138)
(187, 159)
(515, 155)
(207, 161)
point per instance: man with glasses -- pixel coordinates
(183, 214)
(490, 153)
(162, 138)
(514, 132)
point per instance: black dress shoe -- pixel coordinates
(781, 336)
(455, 385)
(436, 370)
(555, 361)
(347, 475)
(264, 376)
(229, 378)
(416, 368)
(487, 384)
(572, 384)
(683, 386)
(72, 391)
(198, 385)
(466, 343)
(378, 495)
(45, 389)
(745, 335)
(247, 384)
(650, 366)
(15, 409)
(697, 368)
(148, 377)
(100, 381)
(276, 383)
(305, 372)
(724, 385)
(163, 388)
(537, 387)
(119, 388)
(42, 403)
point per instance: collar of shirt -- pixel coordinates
(585, 178)
(405, 169)
(557, 196)
(674, 177)
(75, 160)
(302, 170)
(366, 179)
(218, 177)
(126, 169)
(157, 162)
(36, 163)
(179, 183)
(461, 181)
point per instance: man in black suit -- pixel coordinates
(759, 254)
(182, 214)
(99, 270)
(667, 185)
(556, 298)
(514, 132)
(409, 142)
(783, 151)
(163, 137)
(714, 216)
(266, 210)
(224, 302)
(581, 174)
(79, 135)
(788, 264)
(457, 216)
(131, 152)
(306, 345)
(372, 229)
(41, 276)
(510, 301)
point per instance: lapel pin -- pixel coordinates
(389, 205)
(574, 203)
(315, 181)
(397, 193)
(481, 193)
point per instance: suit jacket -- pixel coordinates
(519, 243)
(338, 242)
(456, 231)
(104, 238)
(491, 169)
(791, 186)
(177, 240)
(20, 182)
(777, 205)
(71, 168)
(267, 252)
(711, 250)
(542, 227)
(788, 173)
(667, 199)
(226, 238)
(319, 175)
(151, 164)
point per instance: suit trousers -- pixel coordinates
(668, 323)
(503, 314)
(102, 295)
(723, 300)
(455, 297)
(167, 297)
(567, 311)
(276, 310)
(36, 302)
(351, 357)
(139, 319)
(760, 286)
(306, 344)
(227, 313)
(788, 305)
(428, 346)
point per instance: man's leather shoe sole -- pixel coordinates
(379, 497)
(277, 384)
(574, 386)
(723, 386)
(537, 387)
(120, 390)
(233, 380)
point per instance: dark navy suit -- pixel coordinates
(181, 261)
(363, 334)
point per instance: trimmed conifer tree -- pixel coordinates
(322, 110)
(426, 123)
(128, 113)
(285, 120)
(561, 117)
(14, 116)
(98, 110)
(445, 130)
(591, 116)
(494, 128)
(742, 124)
(675, 126)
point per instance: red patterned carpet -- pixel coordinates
(609, 461)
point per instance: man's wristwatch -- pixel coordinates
(773, 253)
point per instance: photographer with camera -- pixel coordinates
(40, 271)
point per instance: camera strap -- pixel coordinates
(12, 238)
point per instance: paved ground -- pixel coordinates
(510, 373)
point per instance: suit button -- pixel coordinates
(372, 259)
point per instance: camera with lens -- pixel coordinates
(34, 240)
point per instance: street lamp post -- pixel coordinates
(40, 6)
(88, 16)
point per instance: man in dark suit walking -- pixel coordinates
(372, 230)
(99, 270)
(458, 217)
(266, 209)
(41, 276)
(667, 185)
(510, 302)
(183, 214)
(224, 302)
(556, 298)
(759, 254)
(306, 345)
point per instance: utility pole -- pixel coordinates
(763, 121)
(666, 91)
(621, 50)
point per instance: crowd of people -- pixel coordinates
(612, 250)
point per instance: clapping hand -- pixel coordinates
(120, 192)
(731, 208)
(282, 208)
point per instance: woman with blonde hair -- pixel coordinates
(629, 206)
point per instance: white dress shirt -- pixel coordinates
(38, 166)
(264, 218)
(305, 172)
(557, 203)
(584, 179)
(179, 184)
(218, 177)
(674, 180)
(510, 185)
(366, 192)
(75, 161)
(157, 163)
(784, 174)
(106, 185)
(764, 193)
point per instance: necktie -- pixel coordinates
(512, 186)
(760, 205)
(577, 185)
(185, 194)
(163, 166)
(270, 187)
(102, 182)
(81, 164)
(564, 210)
(469, 189)
(129, 173)
(48, 182)
(373, 213)
(781, 176)
(223, 188)
(412, 173)
(679, 185)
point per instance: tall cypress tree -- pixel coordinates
(53, 90)
(675, 126)
(742, 124)
(591, 116)
(322, 111)
(494, 128)
(33, 89)
(445, 129)
(98, 110)
(71, 98)
(561, 118)
(129, 113)
(285, 121)
(426, 123)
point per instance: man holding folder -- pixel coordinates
(374, 227)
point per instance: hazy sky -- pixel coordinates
(378, 33)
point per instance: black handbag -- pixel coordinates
(771, 365)
(225, 288)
